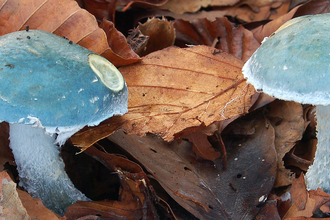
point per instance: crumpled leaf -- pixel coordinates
(170, 91)
(266, 30)
(135, 198)
(269, 211)
(289, 124)
(310, 7)
(11, 205)
(304, 203)
(201, 146)
(74, 23)
(220, 33)
(205, 188)
(252, 13)
(243, 13)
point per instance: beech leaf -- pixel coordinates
(221, 33)
(64, 18)
(289, 124)
(175, 89)
(203, 187)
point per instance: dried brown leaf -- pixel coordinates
(11, 205)
(322, 200)
(63, 18)
(201, 146)
(35, 208)
(299, 193)
(183, 6)
(232, 39)
(269, 211)
(303, 205)
(203, 187)
(289, 124)
(101, 9)
(135, 198)
(223, 2)
(266, 30)
(175, 89)
(311, 7)
(140, 3)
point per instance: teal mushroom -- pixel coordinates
(294, 64)
(50, 89)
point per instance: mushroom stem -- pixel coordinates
(318, 174)
(41, 169)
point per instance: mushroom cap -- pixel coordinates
(294, 62)
(49, 81)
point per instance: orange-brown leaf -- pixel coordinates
(35, 208)
(201, 146)
(228, 37)
(11, 205)
(63, 18)
(285, 116)
(175, 89)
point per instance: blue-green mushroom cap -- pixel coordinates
(294, 63)
(49, 81)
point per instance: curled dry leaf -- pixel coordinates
(303, 205)
(175, 89)
(203, 187)
(64, 18)
(201, 145)
(237, 41)
(310, 7)
(266, 30)
(246, 13)
(289, 124)
(135, 198)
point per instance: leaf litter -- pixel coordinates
(174, 95)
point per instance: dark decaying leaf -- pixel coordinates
(205, 188)
(64, 18)
(135, 198)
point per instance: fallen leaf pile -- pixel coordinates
(198, 142)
